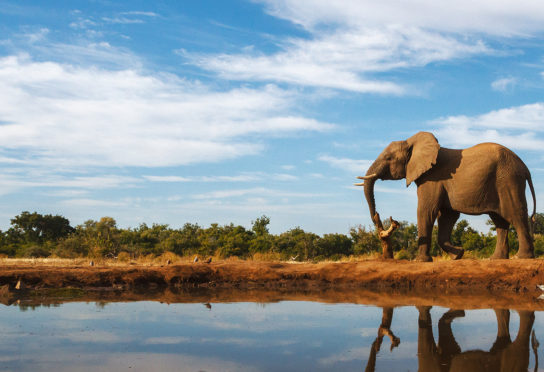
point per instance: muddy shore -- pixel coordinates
(464, 284)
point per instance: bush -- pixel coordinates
(36, 251)
(404, 254)
(123, 257)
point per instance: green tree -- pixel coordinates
(234, 241)
(102, 237)
(37, 228)
(187, 240)
(334, 246)
(405, 237)
(538, 225)
(262, 241)
(364, 241)
(260, 225)
(297, 243)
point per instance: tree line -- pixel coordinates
(37, 235)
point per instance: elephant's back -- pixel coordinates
(505, 161)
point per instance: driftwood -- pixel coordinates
(385, 235)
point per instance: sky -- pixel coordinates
(223, 111)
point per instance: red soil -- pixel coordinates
(473, 275)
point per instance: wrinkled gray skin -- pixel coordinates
(484, 179)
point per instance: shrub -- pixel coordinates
(123, 257)
(404, 254)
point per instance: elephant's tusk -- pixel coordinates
(359, 184)
(370, 176)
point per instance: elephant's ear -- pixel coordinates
(424, 148)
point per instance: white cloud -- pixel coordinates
(82, 23)
(122, 20)
(504, 84)
(243, 177)
(503, 18)
(167, 179)
(344, 59)
(347, 164)
(516, 127)
(96, 336)
(165, 340)
(60, 114)
(141, 13)
(349, 41)
(227, 194)
(92, 203)
(31, 179)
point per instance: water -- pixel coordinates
(277, 336)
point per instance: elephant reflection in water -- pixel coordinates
(384, 330)
(504, 355)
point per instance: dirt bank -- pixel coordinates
(458, 284)
(464, 275)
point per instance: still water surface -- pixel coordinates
(280, 336)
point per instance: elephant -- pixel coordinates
(484, 179)
(504, 355)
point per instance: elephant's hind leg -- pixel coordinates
(526, 249)
(514, 209)
(501, 248)
(446, 221)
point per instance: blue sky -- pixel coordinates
(222, 111)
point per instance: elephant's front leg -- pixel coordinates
(446, 221)
(427, 212)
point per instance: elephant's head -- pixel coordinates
(401, 159)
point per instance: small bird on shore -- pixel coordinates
(195, 259)
(91, 263)
(541, 287)
(209, 260)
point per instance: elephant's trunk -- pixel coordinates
(370, 179)
(369, 195)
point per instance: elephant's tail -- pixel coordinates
(532, 220)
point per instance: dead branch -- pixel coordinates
(385, 235)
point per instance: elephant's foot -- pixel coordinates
(457, 254)
(454, 252)
(450, 315)
(499, 256)
(525, 255)
(424, 258)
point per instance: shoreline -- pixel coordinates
(515, 275)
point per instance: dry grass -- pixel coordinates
(124, 259)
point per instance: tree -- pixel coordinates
(234, 241)
(102, 237)
(260, 225)
(36, 228)
(538, 225)
(262, 241)
(297, 243)
(363, 240)
(334, 245)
